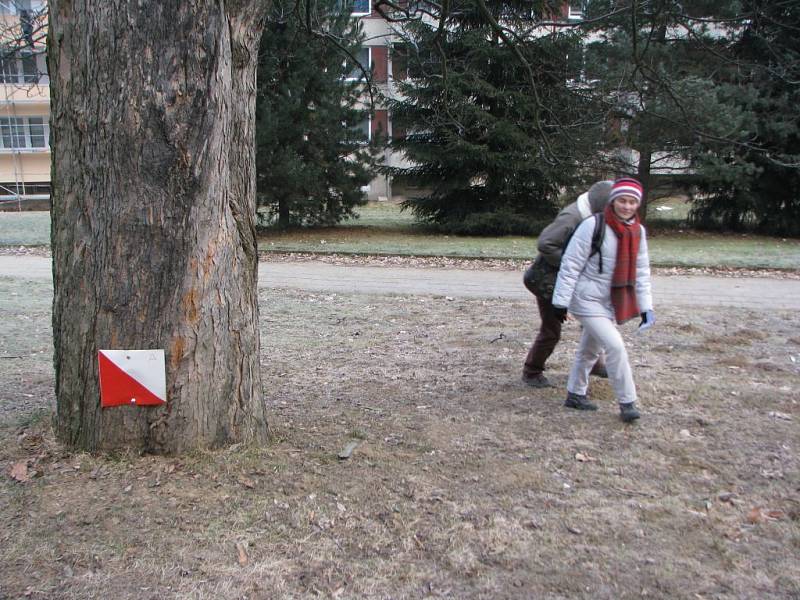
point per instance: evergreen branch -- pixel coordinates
(534, 88)
(405, 12)
(327, 36)
(651, 76)
(700, 133)
(780, 163)
(634, 31)
(367, 74)
(585, 23)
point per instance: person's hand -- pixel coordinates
(648, 320)
(560, 312)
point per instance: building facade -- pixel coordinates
(24, 106)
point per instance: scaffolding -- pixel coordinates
(17, 191)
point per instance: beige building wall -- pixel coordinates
(24, 167)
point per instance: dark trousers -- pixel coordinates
(546, 340)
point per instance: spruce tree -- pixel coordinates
(650, 70)
(710, 88)
(488, 117)
(312, 156)
(753, 185)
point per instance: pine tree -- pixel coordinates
(312, 156)
(488, 119)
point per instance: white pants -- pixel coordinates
(600, 333)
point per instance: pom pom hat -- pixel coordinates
(627, 186)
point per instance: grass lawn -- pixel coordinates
(383, 229)
(25, 228)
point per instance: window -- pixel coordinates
(409, 63)
(354, 72)
(575, 12)
(18, 67)
(365, 129)
(22, 133)
(361, 131)
(400, 62)
(361, 7)
(356, 8)
(13, 7)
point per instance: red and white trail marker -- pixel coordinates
(132, 377)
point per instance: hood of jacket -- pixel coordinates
(598, 195)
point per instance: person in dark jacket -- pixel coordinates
(545, 269)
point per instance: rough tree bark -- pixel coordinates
(152, 121)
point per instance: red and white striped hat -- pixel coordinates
(627, 186)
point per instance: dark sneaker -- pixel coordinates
(599, 370)
(536, 381)
(628, 412)
(579, 402)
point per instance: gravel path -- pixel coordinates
(454, 281)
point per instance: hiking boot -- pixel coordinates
(599, 370)
(579, 402)
(628, 412)
(536, 381)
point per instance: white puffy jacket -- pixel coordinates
(583, 289)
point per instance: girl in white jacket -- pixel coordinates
(609, 287)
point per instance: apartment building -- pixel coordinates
(375, 54)
(24, 106)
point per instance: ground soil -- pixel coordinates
(464, 482)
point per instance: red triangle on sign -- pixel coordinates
(117, 388)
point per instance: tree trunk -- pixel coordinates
(643, 175)
(153, 238)
(283, 212)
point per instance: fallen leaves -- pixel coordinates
(19, 472)
(762, 515)
(345, 452)
(247, 482)
(241, 553)
(581, 457)
(779, 415)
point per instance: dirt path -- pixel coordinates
(464, 483)
(691, 290)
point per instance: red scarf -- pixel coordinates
(623, 283)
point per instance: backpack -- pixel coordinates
(540, 276)
(597, 238)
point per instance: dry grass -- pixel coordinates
(466, 484)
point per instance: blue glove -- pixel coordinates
(648, 320)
